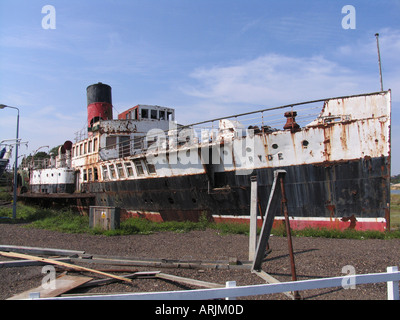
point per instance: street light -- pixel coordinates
(14, 213)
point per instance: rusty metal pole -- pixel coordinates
(289, 237)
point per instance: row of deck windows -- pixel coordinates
(83, 148)
(120, 170)
(153, 114)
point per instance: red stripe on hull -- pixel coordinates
(334, 224)
(295, 224)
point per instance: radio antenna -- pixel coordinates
(379, 59)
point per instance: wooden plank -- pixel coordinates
(62, 284)
(28, 263)
(163, 263)
(270, 212)
(143, 274)
(37, 250)
(52, 261)
(189, 281)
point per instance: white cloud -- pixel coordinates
(274, 79)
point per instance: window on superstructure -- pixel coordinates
(169, 116)
(111, 142)
(124, 146)
(81, 149)
(139, 167)
(105, 173)
(137, 142)
(145, 114)
(150, 167)
(95, 174)
(90, 147)
(134, 114)
(85, 150)
(154, 114)
(95, 145)
(162, 115)
(120, 169)
(129, 169)
(90, 174)
(84, 175)
(113, 174)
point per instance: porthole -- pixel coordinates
(305, 143)
(275, 146)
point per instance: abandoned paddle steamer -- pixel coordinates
(336, 153)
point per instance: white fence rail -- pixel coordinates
(392, 277)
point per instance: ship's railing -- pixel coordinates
(210, 131)
(81, 134)
(44, 163)
(36, 163)
(272, 117)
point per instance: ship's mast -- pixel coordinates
(379, 59)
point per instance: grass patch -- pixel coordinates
(395, 211)
(337, 234)
(63, 221)
(68, 221)
(346, 234)
(24, 213)
(143, 226)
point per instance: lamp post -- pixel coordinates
(14, 213)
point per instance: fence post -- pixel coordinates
(230, 284)
(393, 286)
(253, 219)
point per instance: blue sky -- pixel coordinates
(204, 58)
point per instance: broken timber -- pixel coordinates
(28, 263)
(188, 281)
(62, 284)
(165, 263)
(60, 263)
(36, 250)
(136, 275)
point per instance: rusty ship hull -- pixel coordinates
(336, 154)
(331, 196)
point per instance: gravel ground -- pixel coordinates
(314, 257)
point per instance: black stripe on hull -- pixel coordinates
(52, 188)
(359, 188)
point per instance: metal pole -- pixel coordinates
(14, 213)
(379, 59)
